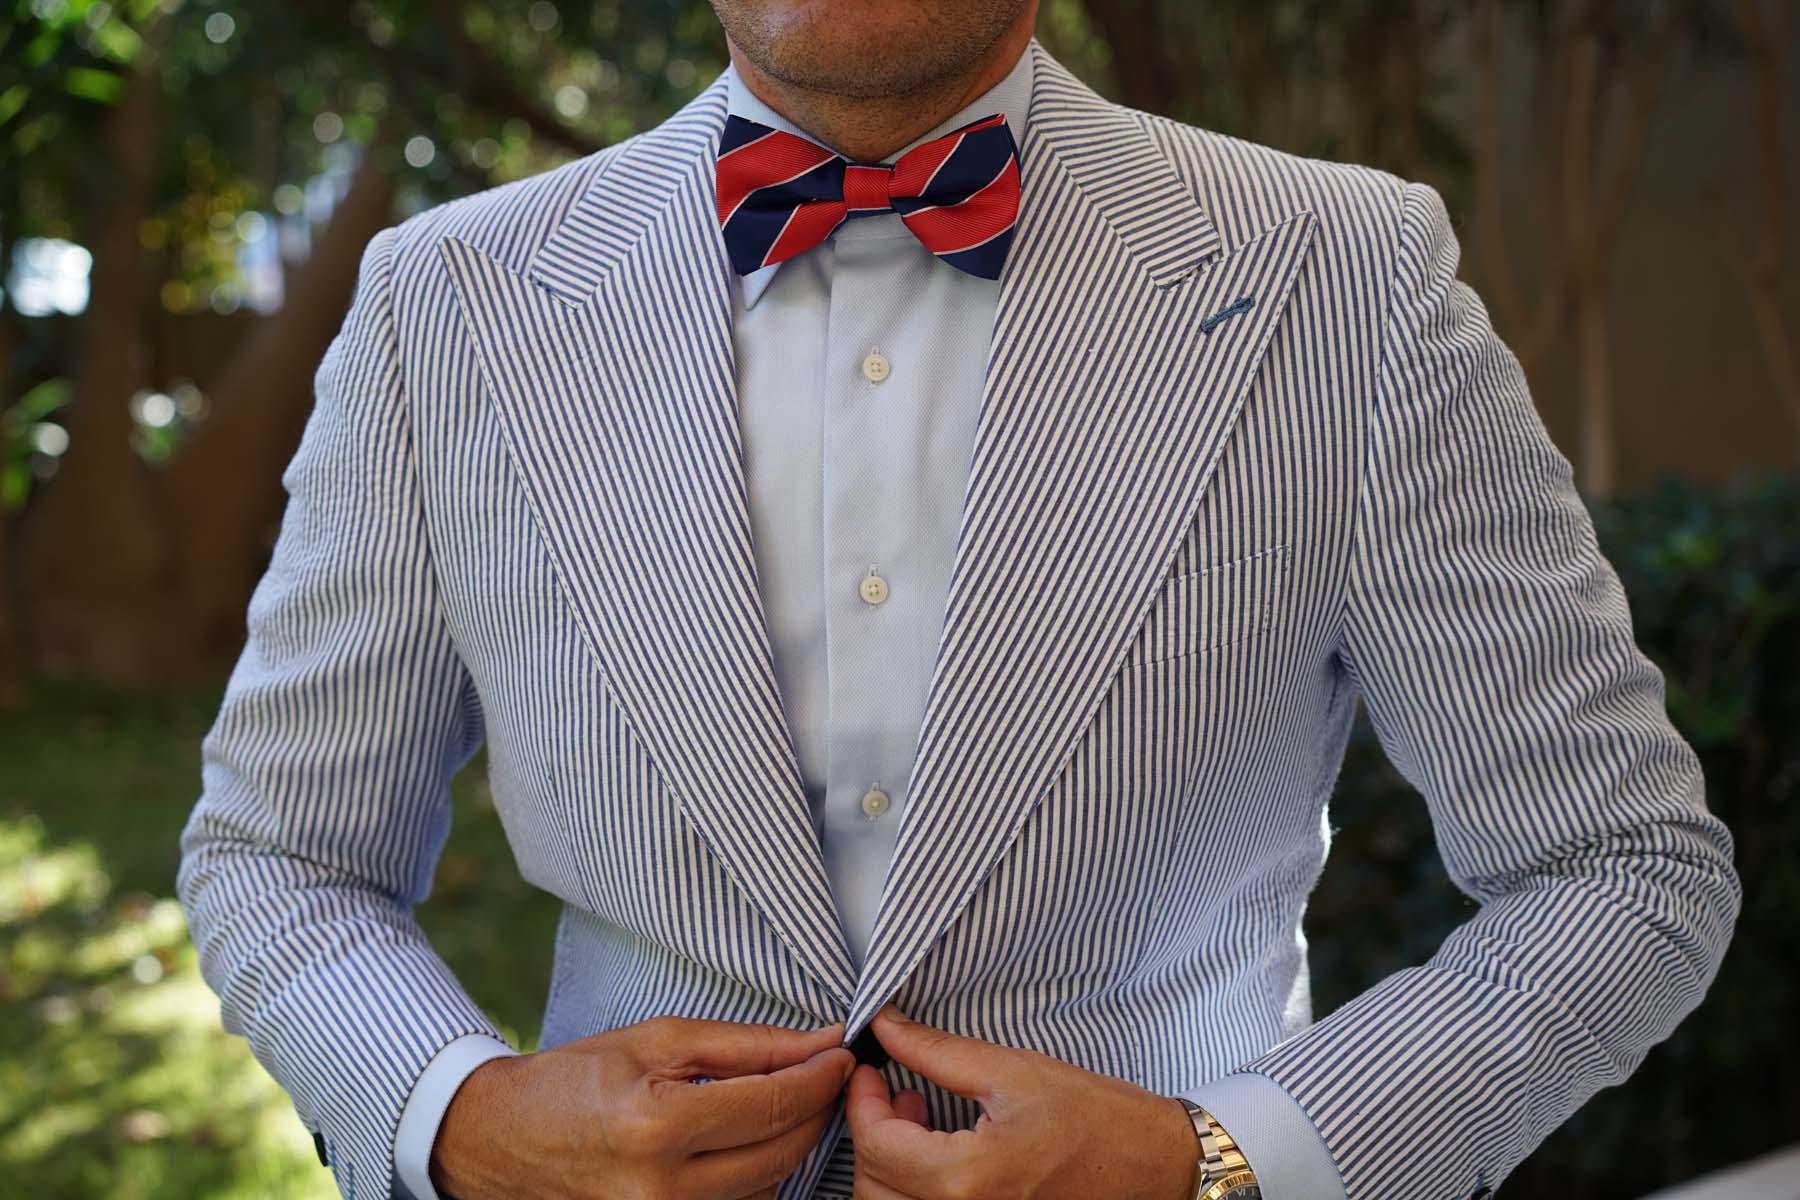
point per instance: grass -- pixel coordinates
(116, 1077)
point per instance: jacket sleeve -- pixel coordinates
(325, 778)
(1492, 645)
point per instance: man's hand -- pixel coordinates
(1048, 1130)
(616, 1115)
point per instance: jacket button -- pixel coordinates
(868, 1049)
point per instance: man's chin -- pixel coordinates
(860, 63)
(865, 48)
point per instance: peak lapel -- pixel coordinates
(1104, 411)
(610, 366)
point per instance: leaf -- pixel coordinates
(45, 398)
(12, 100)
(118, 41)
(91, 84)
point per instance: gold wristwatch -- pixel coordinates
(1224, 1174)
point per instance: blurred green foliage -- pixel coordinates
(115, 1076)
(257, 99)
(23, 427)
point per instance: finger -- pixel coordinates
(719, 1049)
(746, 1109)
(866, 1100)
(888, 1145)
(754, 1168)
(969, 1067)
(909, 1105)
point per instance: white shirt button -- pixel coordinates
(875, 802)
(875, 367)
(873, 589)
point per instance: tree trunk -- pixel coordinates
(1767, 309)
(1587, 270)
(1505, 293)
(1132, 30)
(91, 562)
(12, 671)
(222, 496)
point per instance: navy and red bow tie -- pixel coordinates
(781, 194)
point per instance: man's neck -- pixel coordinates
(868, 129)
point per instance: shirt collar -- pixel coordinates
(1012, 96)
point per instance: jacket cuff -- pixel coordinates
(1278, 1139)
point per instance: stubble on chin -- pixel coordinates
(819, 47)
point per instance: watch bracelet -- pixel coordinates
(1219, 1153)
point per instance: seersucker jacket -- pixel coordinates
(1246, 453)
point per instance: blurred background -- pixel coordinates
(186, 187)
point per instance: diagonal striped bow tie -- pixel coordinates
(781, 194)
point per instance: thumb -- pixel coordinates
(969, 1067)
(883, 1135)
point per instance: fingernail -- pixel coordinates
(893, 1012)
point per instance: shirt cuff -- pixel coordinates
(1277, 1138)
(425, 1109)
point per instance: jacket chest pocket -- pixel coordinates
(1202, 610)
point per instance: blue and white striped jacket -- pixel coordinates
(1188, 546)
